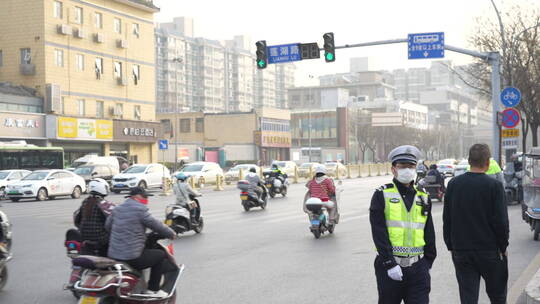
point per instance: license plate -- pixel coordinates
(268, 185)
(119, 185)
(168, 222)
(13, 192)
(315, 222)
(243, 197)
(89, 300)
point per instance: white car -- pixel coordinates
(144, 176)
(43, 184)
(446, 166)
(234, 172)
(10, 176)
(461, 167)
(333, 168)
(202, 172)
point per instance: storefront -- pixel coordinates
(136, 140)
(273, 145)
(79, 136)
(22, 126)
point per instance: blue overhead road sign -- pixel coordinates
(163, 144)
(284, 53)
(510, 97)
(426, 45)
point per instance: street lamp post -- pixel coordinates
(309, 117)
(176, 109)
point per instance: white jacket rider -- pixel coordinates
(254, 180)
(182, 190)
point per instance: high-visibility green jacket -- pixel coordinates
(405, 228)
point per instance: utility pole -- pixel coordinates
(310, 100)
(176, 60)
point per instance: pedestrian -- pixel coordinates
(475, 226)
(403, 233)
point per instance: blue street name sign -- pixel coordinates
(510, 97)
(284, 53)
(426, 45)
(163, 144)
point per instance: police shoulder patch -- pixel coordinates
(386, 186)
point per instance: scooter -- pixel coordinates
(318, 216)
(5, 248)
(513, 187)
(434, 190)
(105, 280)
(179, 218)
(249, 197)
(275, 185)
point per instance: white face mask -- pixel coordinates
(406, 175)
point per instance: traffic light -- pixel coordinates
(262, 56)
(329, 47)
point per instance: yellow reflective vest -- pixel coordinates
(405, 228)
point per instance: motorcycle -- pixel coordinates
(513, 186)
(5, 248)
(531, 192)
(248, 196)
(433, 189)
(275, 185)
(179, 218)
(105, 280)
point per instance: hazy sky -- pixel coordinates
(352, 21)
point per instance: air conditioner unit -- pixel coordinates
(53, 98)
(63, 29)
(121, 81)
(78, 33)
(121, 43)
(99, 38)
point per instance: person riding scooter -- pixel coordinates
(91, 216)
(278, 173)
(183, 191)
(439, 178)
(255, 181)
(127, 225)
(323, 188)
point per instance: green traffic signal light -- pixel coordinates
(329, 57)
(261, 64)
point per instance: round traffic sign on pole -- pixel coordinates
(510, 118)
(510, 97)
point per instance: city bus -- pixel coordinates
(30, 157)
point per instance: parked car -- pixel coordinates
(144, 176)
(461, 167)
(202, 172)
(93, 159)
(234, 172)
(288, 167)
(88, 172)
(47, 184)
(332, 169)
(446, 166)
(10, 176)
(306, 168)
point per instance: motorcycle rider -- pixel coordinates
(182, 190)
(439, 177)
(323, 188)
(91, 216)
(255, 181)
(127, 225)
(278, 173)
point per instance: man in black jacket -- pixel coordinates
(476, 229)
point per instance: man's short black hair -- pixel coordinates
(479, 155)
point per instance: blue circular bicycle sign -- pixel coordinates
(510, 97)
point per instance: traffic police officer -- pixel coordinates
(403, 233)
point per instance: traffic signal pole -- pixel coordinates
(493, 58)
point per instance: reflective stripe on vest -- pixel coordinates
(405, 228)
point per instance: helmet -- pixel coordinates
(274, 166)
(252, 169)
(181, 176)
(320, 169)
(98, 187)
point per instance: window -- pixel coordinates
(185, 125)
(26, 56)
(136, 73)
(58, 10)
(1, 58)
(100, 109)
(59, 58)
(98, 20)
(82, 107)
(117, 70)
(98, 67)
(199, 125)
(117, 25)
(79, 15)
(119, 110)
(136, 30)
(137, 112)
(79, 62)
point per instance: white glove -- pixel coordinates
(395, 273)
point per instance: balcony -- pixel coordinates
(28, 69)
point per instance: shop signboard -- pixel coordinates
(84, 129)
